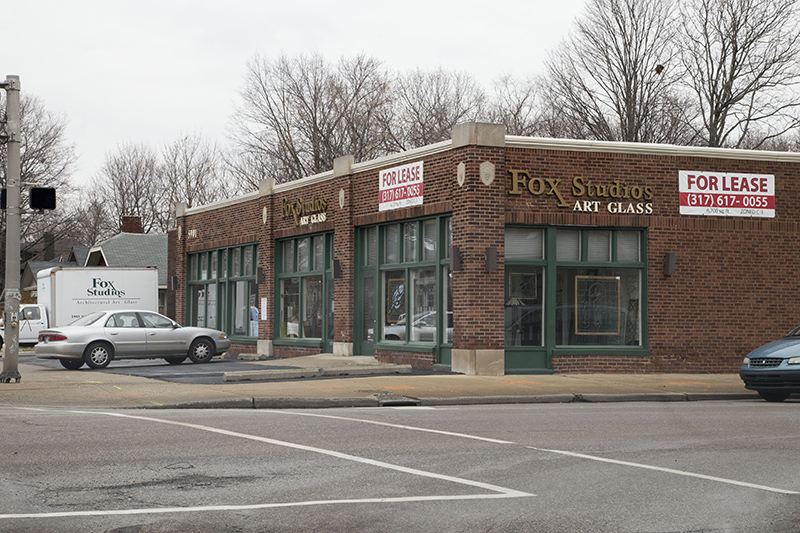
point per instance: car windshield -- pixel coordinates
(794, 333)
(91, 318)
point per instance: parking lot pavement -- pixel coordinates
(209, 373)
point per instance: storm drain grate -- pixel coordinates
(390, 400)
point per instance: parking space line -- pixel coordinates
(498, 492)
(667, 470)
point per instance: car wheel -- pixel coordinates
(202, 351)
(98, 355)
(175, 360)
(71, 364)
(773, 396)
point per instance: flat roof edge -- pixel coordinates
(512, 141)
(577, 145)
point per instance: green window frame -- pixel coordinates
(222, 291)
(576, 289)
(410, 260)
(304, 289)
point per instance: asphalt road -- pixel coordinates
(689, 466)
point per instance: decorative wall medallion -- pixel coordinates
(341, 198)
(462, 174)
(487, 172)
(264, 215)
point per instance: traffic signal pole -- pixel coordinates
(13, 185)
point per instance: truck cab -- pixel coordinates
(32, 319)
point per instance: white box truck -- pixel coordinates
(68, 293)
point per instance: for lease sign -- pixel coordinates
(400, 187)
(726, 194)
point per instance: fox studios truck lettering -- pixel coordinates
(102, 287)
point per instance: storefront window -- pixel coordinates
(598, 307)
(312, 306)
(290, 307)
(524, 317)
(394, 312)
(207, 306)
(303, 283)
(211, 306)
(594, 296)
(423, 304)
(410, 241)
(303, 254)
(392, 243)
(414, 302)
(241, 308)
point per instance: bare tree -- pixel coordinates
(46, 159)
(515, 104)
(301, 113)
(244, 168)
(190, 171)
(428, 104)
(612, 78)
(130, 186)
(92, 221)
(741, 66)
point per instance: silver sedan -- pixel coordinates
(99, 337)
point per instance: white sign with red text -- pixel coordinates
(726, 194)
(400, 187)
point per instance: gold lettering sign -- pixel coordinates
(617, 197)
(305, 212)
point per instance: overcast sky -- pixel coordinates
(151, 70)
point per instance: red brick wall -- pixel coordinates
(734, 286)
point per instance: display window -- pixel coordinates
(405, 294)
(304, 288)
(574, 287)
(223, 290)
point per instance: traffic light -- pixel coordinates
(43, 198)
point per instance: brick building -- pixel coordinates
(496, 254)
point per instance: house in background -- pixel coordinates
(132, 248)
(77, 257)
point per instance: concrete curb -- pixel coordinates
(394, 401)
(306, 373)
(313, 403)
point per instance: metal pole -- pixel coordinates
(11, 314)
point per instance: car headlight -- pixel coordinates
(746, 361)
(794, 361)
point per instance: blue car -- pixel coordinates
(773, 370)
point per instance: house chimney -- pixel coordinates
(49, 247)
(132, 224)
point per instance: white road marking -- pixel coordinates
(387, 424)
(562, 452)
(500, 492)
(206, 508)
(667, 470)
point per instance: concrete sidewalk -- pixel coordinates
(331, 381)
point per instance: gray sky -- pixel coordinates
(151, 70)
